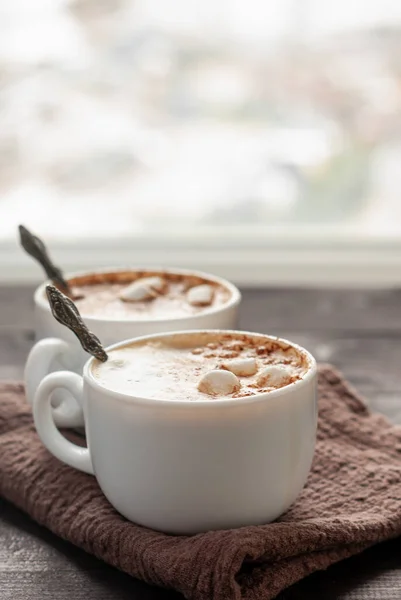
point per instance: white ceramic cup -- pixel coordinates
(59, 349)
(189, 466)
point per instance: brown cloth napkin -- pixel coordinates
(351, 501)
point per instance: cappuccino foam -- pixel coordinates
(201, 366)
(146, 295)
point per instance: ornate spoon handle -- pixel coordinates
(36, 248)
(66, 313)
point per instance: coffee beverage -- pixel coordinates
(201, 366)
(144, 295)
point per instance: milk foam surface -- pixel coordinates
(99, 295)
(172, 368)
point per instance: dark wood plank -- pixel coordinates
(14, 348)
(36, 564)
(322, 310)
(16, 306)
(358, 331)
(287, 308)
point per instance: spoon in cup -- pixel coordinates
(65, 312)
(37, 249)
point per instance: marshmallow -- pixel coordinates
(200, 295)
(117, 363)
(273, 376)
(242, 367)
(157, 283)
(219, 383)
(142, 289)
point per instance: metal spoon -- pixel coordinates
(66, 313)
(36, 248)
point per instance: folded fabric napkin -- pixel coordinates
(352, 500)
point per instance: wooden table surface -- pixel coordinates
(358, 331)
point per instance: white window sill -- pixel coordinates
(300, 257)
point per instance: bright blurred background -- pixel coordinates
(260, 140)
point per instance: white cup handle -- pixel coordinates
(38, 365)
(69, 453)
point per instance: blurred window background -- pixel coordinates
(259, 139)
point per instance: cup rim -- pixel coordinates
(234, 300)
(206, 403)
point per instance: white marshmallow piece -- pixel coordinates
(219, 383)
(156, 283)
(200, 295)
(242, 367)
(143, 289)
(273, 376)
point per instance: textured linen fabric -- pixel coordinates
(352, 500)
